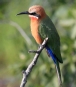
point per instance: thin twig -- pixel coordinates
(32, 64)
(33, 51)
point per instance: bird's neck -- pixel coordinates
(34, 21)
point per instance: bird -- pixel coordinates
(42, 27)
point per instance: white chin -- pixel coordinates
(33, 16)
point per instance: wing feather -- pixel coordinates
(47, 29)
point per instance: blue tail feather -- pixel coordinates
(51, 54)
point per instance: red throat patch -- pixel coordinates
(33, 17)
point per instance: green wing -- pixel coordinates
(47, 29)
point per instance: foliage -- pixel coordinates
(14, 56)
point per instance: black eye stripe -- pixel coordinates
(33, 13)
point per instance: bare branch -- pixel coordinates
(32, 64)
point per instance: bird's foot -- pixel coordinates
(33, 51)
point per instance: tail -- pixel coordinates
(58, 73)
(52, 55)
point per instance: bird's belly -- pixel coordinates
(37, 37)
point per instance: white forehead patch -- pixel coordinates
(32, 10)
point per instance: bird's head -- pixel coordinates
(35, 12)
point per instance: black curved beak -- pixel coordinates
(26, 12)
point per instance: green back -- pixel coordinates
(47, 29)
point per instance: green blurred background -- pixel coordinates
(16, 40)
